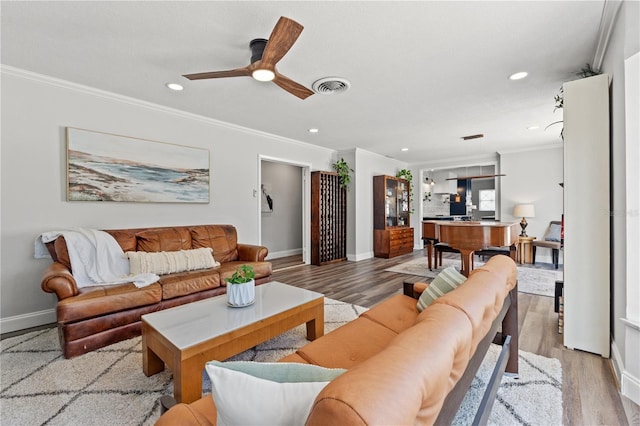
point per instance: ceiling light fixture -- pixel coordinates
(313, 130)
(263, 75)
(533, 127)
(518, 75)
(404, 149)
(174, 86)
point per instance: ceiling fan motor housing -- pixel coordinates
(257, 46)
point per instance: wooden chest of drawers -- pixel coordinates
(392, 242)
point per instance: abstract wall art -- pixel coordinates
(108, 167)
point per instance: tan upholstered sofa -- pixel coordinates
(405, 367)
(93, 317)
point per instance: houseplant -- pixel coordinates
(344, 172)
(586, 71)
(241, 289)
(408, 176)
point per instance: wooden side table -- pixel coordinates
(525, 252)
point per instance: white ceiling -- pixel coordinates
(423, 73)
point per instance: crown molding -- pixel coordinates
(532, 148)
(607, 22)
(92, 91)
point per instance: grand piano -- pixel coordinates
(469, 237)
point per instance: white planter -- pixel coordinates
(241, 294)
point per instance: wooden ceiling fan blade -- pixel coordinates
(292, 87)
(238, 72)
(283, 36)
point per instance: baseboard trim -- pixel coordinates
(22, 322)
(630, 369)
(358, 257)
(617, 366)
(284, 253)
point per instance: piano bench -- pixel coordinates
(492, 251)
(441, 248)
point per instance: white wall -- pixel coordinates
(35, 112)
(367, 165)
(533, 177)
(282, 227)
(623, 44)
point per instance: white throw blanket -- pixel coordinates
(96, 258)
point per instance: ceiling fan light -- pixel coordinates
(263, 75)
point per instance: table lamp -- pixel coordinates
(523, 211)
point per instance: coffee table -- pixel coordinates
(188, 336)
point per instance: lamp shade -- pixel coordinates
(524, 210)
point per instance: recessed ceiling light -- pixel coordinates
(518, 75)
(404, 149)
(534, 127)
(313, 130)
(174, 86)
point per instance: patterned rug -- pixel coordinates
(107, 386)
(530, 280)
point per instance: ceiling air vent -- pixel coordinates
(331, 85)
(478, 136)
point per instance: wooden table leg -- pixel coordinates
(151, 363)
(467, 261)
(187, 380)
(315, 327)
(513, 252)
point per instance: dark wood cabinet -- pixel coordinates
(328, 219)
(392, 233)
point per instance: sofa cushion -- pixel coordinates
(447, 280)
(404, 383)
(101, 300)
(481, 300)
(251, 393)
(348, 345)
(183, 283)
(167, 262)
(125, 237)
(164, 239)
(226, 269)
(223, 239)
(397, 313)
(201, 412)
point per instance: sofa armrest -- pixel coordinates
(414, 289)
(252, 253)
(58, 279)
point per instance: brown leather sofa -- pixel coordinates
(406, 367)
(89, 318)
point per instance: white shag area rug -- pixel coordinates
(108, 387)
(530, 280)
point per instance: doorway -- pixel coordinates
(284, 197)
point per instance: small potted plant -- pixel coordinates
(344, 172)
(241, 290)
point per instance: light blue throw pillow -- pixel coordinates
(554, 233)
(443, 283)
(266, 393)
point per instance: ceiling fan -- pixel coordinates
(265, 54)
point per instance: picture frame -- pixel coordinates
(110, 167)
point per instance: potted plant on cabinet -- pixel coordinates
(241, 290)
(344, 172)
(408, 176)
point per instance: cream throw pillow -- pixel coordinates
(168, 262)
(444, 282)
(266, 393)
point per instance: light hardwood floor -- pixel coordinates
(590, 393)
